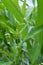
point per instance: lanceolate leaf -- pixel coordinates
(13, 9)
(2, 6)
(5, 61)
(34, 32)
(40, 21)
(16, 2)
(24, 7)
(4, 52)
(34, 53)
(7, 27)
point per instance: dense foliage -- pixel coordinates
(21, 32)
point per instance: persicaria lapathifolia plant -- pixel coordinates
(21, 32)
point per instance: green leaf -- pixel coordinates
(5, 61)
(1, 7)
(29, 11)
(14, 10)
(24, 8)
(33, 2)
(23, 31)
(40, 21)
(1, 35)
(35, 53)
(33, 32)
(1, 51)
(16, 3)
(6, 53)
(8, 27)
